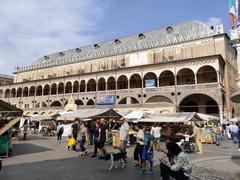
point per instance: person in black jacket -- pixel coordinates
(75, 128)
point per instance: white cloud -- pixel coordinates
(31, 29)
(213, 21)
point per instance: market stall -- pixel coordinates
(9, 116)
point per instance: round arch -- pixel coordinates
(166, 78)
(91, 85)
(61, 88)
(32, 91)
(68, 87)
(159, 99)
(46, 89)
(39, 91)
(55, 104)
(185, 76)
(90, 102)
(201, 103)
(150, 80)
(76, 87)
(111, 83)
(101, 84)
(206, 74)
(54, 89)
(135, 81)
(7, 93)
(122, 82)
(13, 92)
(79, 102)
(25, 92)
(82, 86)
(19, 92)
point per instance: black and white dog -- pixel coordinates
(116, 157)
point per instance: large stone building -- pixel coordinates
(6, 79)
(185, 67)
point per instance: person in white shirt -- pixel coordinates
(234, 132)
(123, 135)
(139, 146)
(156, 132)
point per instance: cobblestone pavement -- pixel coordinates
(44, 158)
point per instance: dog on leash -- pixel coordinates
(116, 157)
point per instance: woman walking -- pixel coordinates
(82, 139)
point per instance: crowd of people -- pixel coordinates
(175, 163)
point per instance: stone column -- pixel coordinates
(221, 114)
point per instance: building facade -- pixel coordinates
(6, 79)
(185, 67)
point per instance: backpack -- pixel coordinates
(61, 130)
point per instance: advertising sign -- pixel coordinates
(105, 100)
(150, 83)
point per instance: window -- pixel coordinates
(141, 36)
(169, 30)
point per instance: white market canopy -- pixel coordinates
(88, 114)
(175, 117)
(37, 117)
(235, 119)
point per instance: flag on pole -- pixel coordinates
(232, 13)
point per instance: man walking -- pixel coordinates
(234, 132)
(60, 130)
(123, 135)
(196, 134)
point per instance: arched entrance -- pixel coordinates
(199, 103)
(19, 92)
(32, 91)
(79, 102)
(25, 92)
(55, 104)
(82, 86)
(60, 88)
(13, 92)
(90, 102)
(46, 90)
(75, 87)
(39, 91)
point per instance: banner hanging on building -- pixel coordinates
(105, 100)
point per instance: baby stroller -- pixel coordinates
(187, 146)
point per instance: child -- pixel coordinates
(71, 143)
(147, 151)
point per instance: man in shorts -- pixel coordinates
(148, 151)
(123, 135)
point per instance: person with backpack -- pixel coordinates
(60, 130)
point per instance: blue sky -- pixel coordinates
(32, 29)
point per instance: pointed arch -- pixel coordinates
(90, 102)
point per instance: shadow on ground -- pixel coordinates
(27, 148)
(71, 169)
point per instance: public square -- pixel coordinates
(44, 158)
